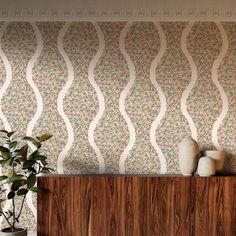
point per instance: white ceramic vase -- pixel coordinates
(206, 166)
(219, 157)
(21, 232)
(188, 156)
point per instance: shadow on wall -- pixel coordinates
(230, 164)
(78, 166)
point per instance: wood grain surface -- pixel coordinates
(103, 205)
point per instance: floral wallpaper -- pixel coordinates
(119, 96)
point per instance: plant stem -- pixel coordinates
(14, 214)
(6, 218)
(21, 207)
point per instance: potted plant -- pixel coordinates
(20, 163)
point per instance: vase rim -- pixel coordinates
(19, 229)
(220, 150)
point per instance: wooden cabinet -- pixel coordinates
(107, 205)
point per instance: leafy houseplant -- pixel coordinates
(20, 166)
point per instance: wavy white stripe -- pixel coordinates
(162, 97)
(8, 77)
(29, 77)
(61, 97)
(123, 96)
(39, 100)
(192, 83)
(101, 101)
(214, 75)
(3, 89)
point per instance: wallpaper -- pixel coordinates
(118, 97)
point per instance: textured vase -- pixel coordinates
(188, 156)
(206, 166)
(219, 157)
(21, 232)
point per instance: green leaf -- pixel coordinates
(35, 189)
(24, 150)
(2, 200)
(5, 155)
(13, 144)
(31, 180)
(17, 161)
(33, 141)
(4, 149)
(20, 159)
(11, 173)
(22, 191)
(44, 137)
(28, 163)
(9, 134)
(34, 155)
(41, 158)
(3, 177)
(32, 170)
(11, 195)
(44, 163)
(15, 177)
(17, 184)
(45, 170)
(6, 163)
(4, 131)
(28, 138)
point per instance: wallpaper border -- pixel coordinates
(78, 14)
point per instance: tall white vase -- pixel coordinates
(219, 157)
(188, 156)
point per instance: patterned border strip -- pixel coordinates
(163, 14)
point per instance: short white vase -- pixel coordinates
(206, 166)
(219, 157)
(188, 156)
